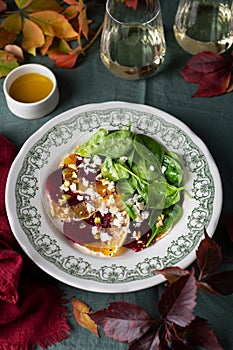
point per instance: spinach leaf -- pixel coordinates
(173, 172)
(88, 148)
(148, 147)
(162, 195)
(129, 210)
(127, 187)
(115, 144)
(172, 215)
(112, 170)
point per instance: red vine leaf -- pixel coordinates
(229, 226)
(172, 273)
(211, 71)
(177, 303)
(221, 283)
(123, 321)
(200, 333)
(209, 256)
(82, 314)
(149, 341)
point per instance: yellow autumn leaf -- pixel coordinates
(23, 3)
(53, 24)
(81, 313)
(33, 37)
(7, 63)
(13, 23)
(39, 5)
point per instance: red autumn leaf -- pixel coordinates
(149, 341)
(221, 283)
(211, 71)
(123, 321)
(200, 333)
(132, 3)
(229, 226)
(209, 256)
(178, 301)
(172, 273)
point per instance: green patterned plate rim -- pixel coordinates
(130, 271)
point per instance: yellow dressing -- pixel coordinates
(31, 87)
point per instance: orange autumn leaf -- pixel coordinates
(48, 42)
(33, 37)
(71, 12)
(83, 23)
(81, 313)
(54, 24)
(6, 37)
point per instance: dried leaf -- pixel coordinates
(3, 6)
(209, 256)
(172, 273)
(82, 314)
(221, 283)
(178, 300)
(53, 24)
(211, 71)
(123, 321)
(7, 63)
(229, 226)
(200, 333)
(13, 23)
(33, 37)
(16, 51)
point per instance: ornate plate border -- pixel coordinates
(36, 156)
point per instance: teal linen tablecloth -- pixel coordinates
(210, 118)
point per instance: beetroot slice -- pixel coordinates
(78, 232)
(53, 184)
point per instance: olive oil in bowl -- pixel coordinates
(31, 87)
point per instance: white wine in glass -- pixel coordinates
(132, 43)
(202, 25)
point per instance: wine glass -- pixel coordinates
(204, 25)
(132, 42)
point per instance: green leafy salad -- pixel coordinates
(117, 181)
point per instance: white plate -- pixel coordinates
(130, 271)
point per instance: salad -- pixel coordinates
(118, 190)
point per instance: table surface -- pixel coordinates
(210, 118)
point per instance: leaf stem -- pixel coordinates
(133, 174)
(93, 38)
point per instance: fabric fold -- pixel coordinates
(32, 308)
